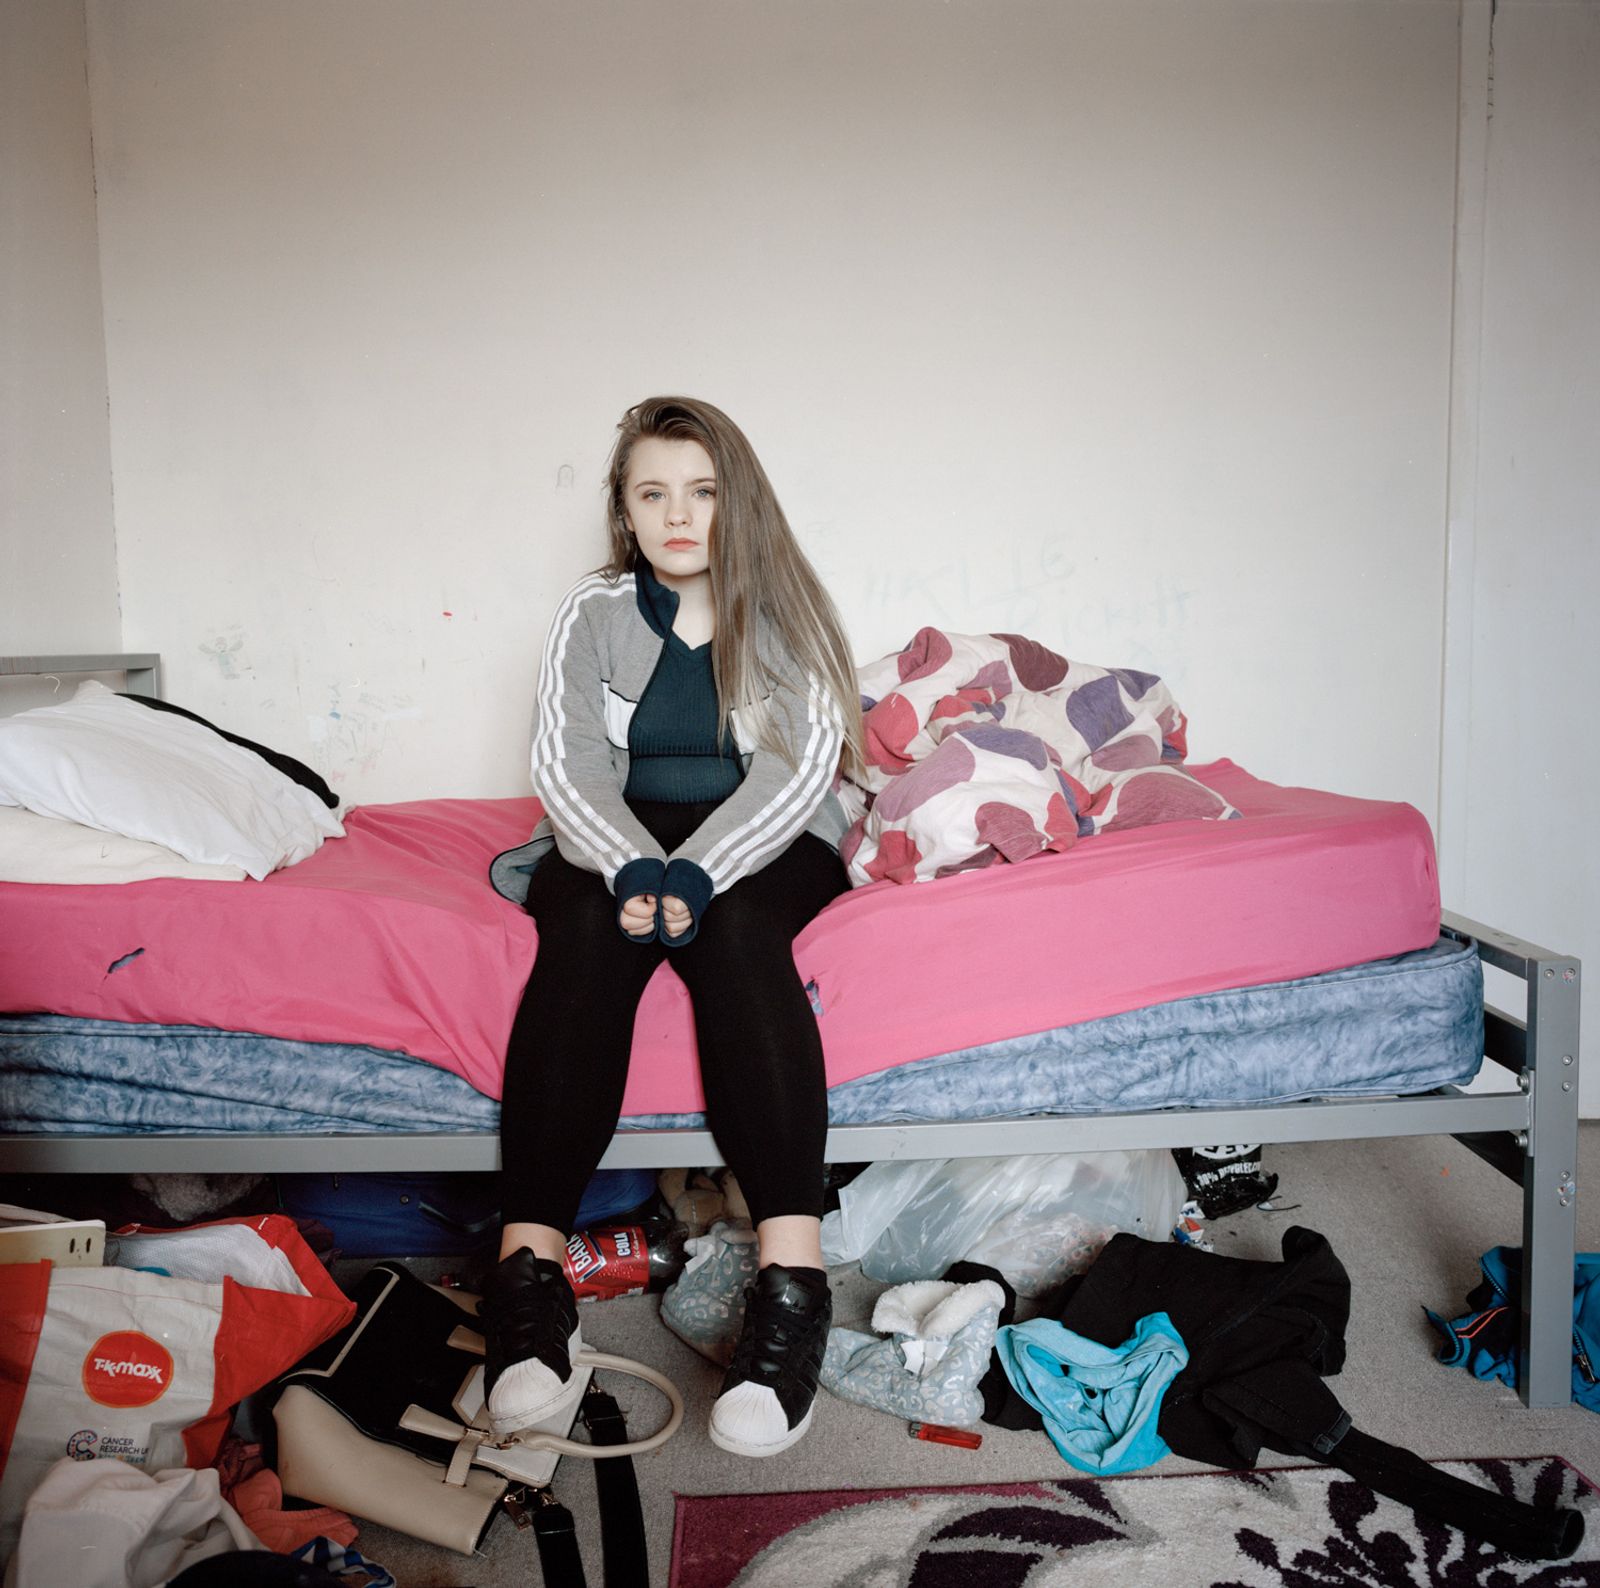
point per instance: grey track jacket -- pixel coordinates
(598, 661)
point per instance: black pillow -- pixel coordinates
(296, 771)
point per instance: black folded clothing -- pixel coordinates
(1262, 1338)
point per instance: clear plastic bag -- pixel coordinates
(1037, 1218)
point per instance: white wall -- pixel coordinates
(1122, 323)
(1174, 333)
(1518, 843)
(58, 563)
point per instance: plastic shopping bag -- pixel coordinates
(145, 1362)
(1037, 1218)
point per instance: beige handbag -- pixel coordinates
(387, 1422)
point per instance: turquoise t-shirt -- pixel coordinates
(1100, 1403)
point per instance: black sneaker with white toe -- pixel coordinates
(530, 1335)
(766, 1400)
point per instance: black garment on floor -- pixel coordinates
(1261, 1337)
(1265, 1330)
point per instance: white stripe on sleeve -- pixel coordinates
(585, 825)
(766, 829)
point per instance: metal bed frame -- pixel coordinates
(1529, 1134)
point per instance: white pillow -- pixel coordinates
(116, 765)
(36, 848)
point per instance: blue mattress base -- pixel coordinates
(1407, 1024)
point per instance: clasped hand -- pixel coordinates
(639, 915)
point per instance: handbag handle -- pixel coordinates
(419, 1420)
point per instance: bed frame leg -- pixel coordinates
(1549, 1183)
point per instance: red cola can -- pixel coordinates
(624, 1259)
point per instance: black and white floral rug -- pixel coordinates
(1300, 1527)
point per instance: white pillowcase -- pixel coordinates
(35, 848)
(116, 765)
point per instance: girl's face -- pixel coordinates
(670, 499)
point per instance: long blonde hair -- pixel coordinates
(758, 571)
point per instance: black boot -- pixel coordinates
(766, 1399)
(530, 1335)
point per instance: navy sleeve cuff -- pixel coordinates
(644, 875)
(689, 882)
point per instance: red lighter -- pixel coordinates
(938, 1434)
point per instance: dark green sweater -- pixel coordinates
(672, 739)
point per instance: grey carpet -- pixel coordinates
(1408, 1218)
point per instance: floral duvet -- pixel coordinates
(986, 747)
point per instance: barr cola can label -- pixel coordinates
(605, 1263)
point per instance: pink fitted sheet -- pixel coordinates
(391, 937)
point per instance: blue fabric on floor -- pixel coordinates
(1100, 1403)
(1486, 1339)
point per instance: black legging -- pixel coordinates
(760, 1052)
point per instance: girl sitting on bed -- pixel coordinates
(695, 700)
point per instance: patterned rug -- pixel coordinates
(1300, 1527)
